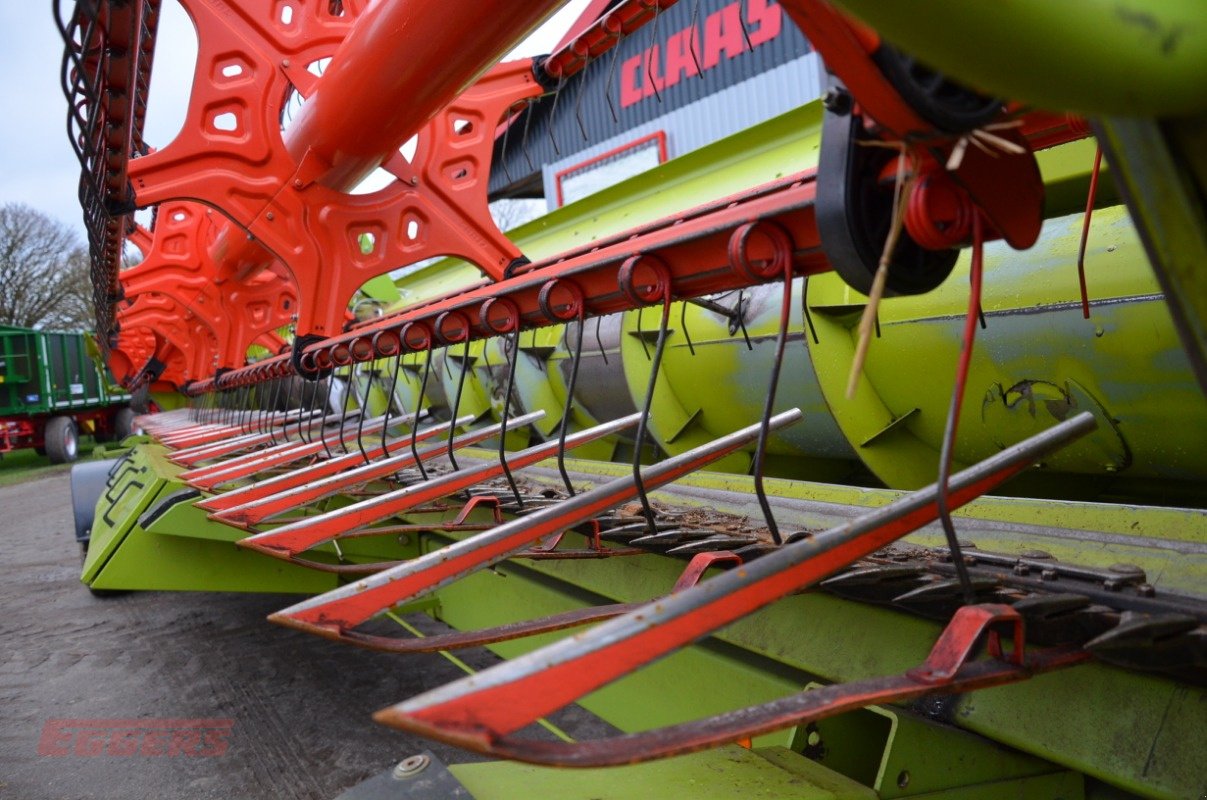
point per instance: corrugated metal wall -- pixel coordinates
(737, 88)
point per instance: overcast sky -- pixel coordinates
(37, 165)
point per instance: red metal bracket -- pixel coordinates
(187, 347)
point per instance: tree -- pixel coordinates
(512, 213)
(44, 272)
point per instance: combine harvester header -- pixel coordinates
(707, 412)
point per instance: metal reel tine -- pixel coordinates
(262, 499)
(391, 399)
(953, 412)
(349, 606)
(760, 452)
(524, 138)
(215, 442)
(649, 60)
(644, 347)
(457, 400)
(611, 75)
(599, 341)
(745, 33)
(741, 315)
(804, 307)
(343, 411)
(304, 534)
(683, 324)
(557, 95)
(513, 357)
(427, 369)
(308, 405)
(578, 101)
(691, 39)
(248, 464)
(568, 407)
(642, 427)
(274, 396)
(506, 135)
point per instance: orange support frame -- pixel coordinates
(177, 265)
(288, 189)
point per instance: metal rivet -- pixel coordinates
(409, 767)
(1126, 569)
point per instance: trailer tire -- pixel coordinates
(140, 401)
(123, 424)
(62, 440)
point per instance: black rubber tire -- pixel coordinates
(123, 424)
(88, 481)
(140, 401)
(941, 101)
(62, 440)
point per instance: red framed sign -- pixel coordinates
(606, 169)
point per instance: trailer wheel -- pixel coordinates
(62, 440)
(123, 424)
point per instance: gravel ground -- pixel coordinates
(298, 705)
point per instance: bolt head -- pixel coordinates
(411, 766)
(837, 101)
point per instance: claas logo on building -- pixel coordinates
(721, 34)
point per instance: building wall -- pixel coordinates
(709, 118)
(650, 82)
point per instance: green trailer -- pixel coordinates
(52, 390)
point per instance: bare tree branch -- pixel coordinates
(44, 272)
(510, 214)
